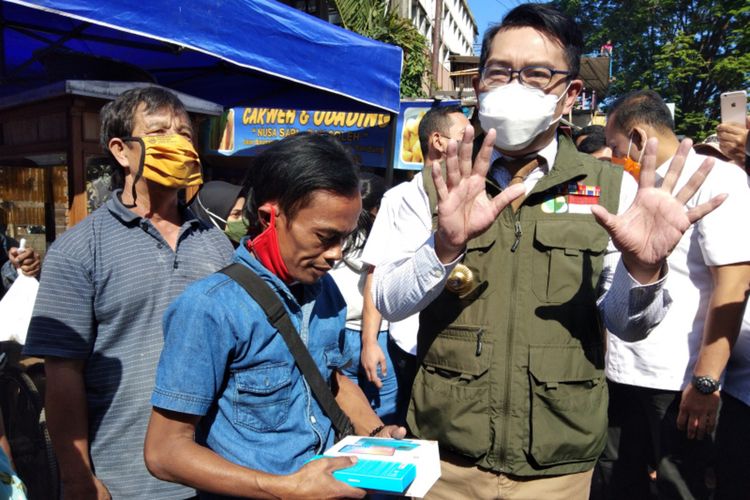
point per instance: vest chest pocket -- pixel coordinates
(567, 260)
(568, 405)
(261, 399)
(451, 392)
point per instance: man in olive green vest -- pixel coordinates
(512, 288)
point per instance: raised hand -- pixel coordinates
(732, 140)
(647, 232)
(464, 209)
(27, 261)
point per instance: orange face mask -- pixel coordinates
(628, 164)
(168, 160)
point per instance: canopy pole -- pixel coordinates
(391, 151)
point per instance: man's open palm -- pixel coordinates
(464, 209)
(647, 232)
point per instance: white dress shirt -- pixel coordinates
(392, 228)
(665, 358)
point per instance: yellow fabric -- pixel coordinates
(171, 161)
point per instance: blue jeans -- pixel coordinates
(382, 401)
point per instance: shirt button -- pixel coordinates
(159, 246)
(312, 419)
(435, 273)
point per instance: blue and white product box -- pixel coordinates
(392, 477)
(389, 465)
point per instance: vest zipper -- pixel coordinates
(509, 345)
(518, 233)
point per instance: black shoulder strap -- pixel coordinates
(278, 317)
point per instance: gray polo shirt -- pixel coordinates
(104, 287)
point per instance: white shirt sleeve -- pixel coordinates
(408, 275)
(629, 310)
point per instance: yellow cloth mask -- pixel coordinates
(168, 160)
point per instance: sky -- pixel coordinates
(487, 12)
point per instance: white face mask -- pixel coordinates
(517, 113)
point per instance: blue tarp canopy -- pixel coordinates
(232, 52)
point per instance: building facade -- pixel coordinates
(458, 31)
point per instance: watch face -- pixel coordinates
(705, 385)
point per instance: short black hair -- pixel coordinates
(291, 170)
(594, 132)
(435, 120)
(593, 141)
(586, 131)
(118, 116)
(548, 20)
(641, 107)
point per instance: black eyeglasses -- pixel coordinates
(536, 77)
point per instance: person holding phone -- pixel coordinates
(733, 141)
(732, 132)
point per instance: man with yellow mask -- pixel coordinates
(106, 284)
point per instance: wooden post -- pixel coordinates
(76, 167)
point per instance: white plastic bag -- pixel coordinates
(16, 308)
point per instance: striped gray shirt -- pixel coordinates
(104, 287)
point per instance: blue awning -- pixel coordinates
(233, 52)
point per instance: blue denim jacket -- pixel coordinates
(223, 360)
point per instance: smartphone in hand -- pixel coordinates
(734, 107)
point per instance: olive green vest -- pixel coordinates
(511, 371)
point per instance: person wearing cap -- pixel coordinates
(220, 203)
(104, 288)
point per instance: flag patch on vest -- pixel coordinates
(573, 198)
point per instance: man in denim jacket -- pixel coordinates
(232, 414)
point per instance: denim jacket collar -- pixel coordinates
(243, 255)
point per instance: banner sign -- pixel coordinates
(240, 130)
(408, 150)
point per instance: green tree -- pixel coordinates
(689, 51)
(374, 19)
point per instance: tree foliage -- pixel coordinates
(374, 19)
(689, 51)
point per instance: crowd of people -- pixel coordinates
(564, 328)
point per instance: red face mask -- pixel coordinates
(266, 249)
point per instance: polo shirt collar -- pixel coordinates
(128, 217)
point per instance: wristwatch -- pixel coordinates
(705, 384)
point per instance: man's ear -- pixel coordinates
(117, 147)
(575, 88)
(640, 136)
(265, 211)
(435, 142)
